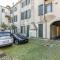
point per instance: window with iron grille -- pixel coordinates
(3, 10)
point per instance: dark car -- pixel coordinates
(23, 36)
(19, 39)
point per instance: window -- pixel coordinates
(3, 10)
(15, 8)
(26, 14)
(23, 4)
(22, 29)
(48, 8)
(9, 21)
(12, 19)
(26, 2)
(22, 16)
(29, 13)
(15, 18)
(40, 30)
(40, 10)
(11, 12)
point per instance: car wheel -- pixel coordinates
(16, 42)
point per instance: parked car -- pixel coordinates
(5, 39)
(19, 39)
(23, 36)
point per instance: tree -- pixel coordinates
(12, 27)
(4, 26)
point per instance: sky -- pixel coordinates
(7, 2)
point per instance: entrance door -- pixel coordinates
(15, 30)
(55, 30)
(22, 29)
(28, 31)
(40, 30)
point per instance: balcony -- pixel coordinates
(50, 16)
(48, 1)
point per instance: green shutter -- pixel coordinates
(28, 31)
(40, 10)
(40, 30)
(45, 8)
(21, 29)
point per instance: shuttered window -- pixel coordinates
(40, 30)
(40, 10)
(48, 8)
(22, 29)
(25, 3)
(26, 14)
(22, 15)
(15, 18)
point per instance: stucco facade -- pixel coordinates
(35, 25)
(4, 15)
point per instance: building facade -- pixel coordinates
(15, 16)
(37, 18)
(4, 15)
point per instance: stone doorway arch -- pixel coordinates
(55, 30)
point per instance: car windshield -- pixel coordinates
(4, 34)
(21, 36)
(4, 37)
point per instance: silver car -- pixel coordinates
(5, 39)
